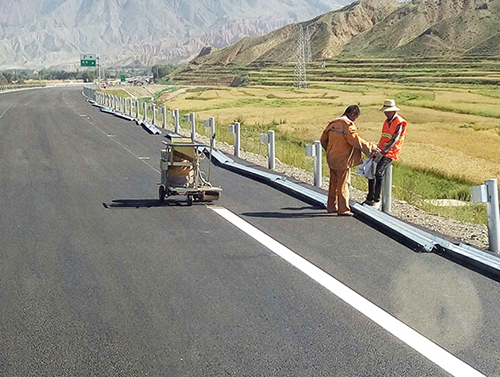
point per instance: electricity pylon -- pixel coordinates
(300, 68)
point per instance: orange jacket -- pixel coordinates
(388, 130)
(343, 145)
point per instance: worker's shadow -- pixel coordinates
(311, 212)
(143, 203)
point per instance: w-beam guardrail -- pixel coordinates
(486, 193)
(10, 88)
(422, 239)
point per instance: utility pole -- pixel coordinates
(99, 71)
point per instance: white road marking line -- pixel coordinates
(1, 116)
(117, 142)
(143, 158)
(418, 342)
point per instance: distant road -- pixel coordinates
(97, 279)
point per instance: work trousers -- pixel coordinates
(338, 192)
(375, 185)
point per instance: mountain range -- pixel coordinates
(379, 28)
(44, 33)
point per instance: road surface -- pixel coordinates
(98, 279)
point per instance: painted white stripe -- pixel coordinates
(418, 342)
(117, 142)
(1, 116)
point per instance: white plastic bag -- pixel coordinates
(367, 169)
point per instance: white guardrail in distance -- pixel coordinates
(117, 108)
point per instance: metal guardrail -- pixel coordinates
(423, 239)
(148, 126)
(12, 88)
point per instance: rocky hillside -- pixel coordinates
(380, 28)
(429, 28)
(55, 32)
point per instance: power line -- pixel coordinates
(302, 57)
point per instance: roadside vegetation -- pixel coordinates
(453, 110)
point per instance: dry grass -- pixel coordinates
(135, 91)
(456, 145)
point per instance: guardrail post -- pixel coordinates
(318, 159)
(269, 139)
(235, 129)
(210, 123)
(387, 190)
(272, 150)
(192, 121)
(145, 111)
(137, 109)
(130, 107)
(153, 109)
(237, 138)
(492, 211)
(164, 116)
(314, 150)
(175, 114)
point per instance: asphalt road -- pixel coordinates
(98, 279)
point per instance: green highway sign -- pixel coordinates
(88, 60)
(122, 78)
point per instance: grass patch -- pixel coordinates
(256, 102)
(117, 92)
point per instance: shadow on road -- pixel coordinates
(284, 215)
(142, 203)
(312, 208)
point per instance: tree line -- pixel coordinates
(19, 76)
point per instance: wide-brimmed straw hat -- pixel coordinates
(389, 105)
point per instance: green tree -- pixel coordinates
(88, 76)
(3, 80)
(9, 76)
(162, 71)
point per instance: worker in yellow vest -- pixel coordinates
(390, 144)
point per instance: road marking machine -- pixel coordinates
(181, 173)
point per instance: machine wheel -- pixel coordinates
(161, 194)
(190, 200)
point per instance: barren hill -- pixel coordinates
(54, 32)
(379, 28)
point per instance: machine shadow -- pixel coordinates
(144, 203)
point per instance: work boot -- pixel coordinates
(346, 214)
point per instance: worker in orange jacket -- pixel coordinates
(390, 144)
(343, 147)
